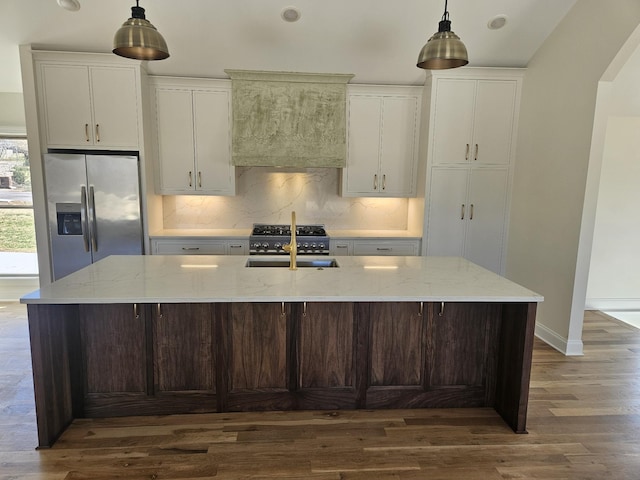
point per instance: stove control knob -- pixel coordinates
(256, 245)
(321, 246)
(277, 246)
(299, 245)
(313, 246)
(306, 245)
(265, 245)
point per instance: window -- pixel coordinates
(17, 232)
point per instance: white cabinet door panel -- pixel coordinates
(453, 126)
(212, 140)
(363, 143)
(175, 141)
(494, 112)
(448, 210)
(115, 114)
(398, 145)
(67, 105)
(485, 231)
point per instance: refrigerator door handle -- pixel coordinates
(83, 217)
(92, 220)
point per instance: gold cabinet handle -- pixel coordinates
(98, 132)
(471, 214)
(384, 182)
(375, 181)
(86, 131)
(466, 155)
(282, 311)
(190, 179)
(441, 313)
(420, 312)
(159, 310)
(475, 157)
(136, 312)
(462, 212)
(199, 179)
(304, 309)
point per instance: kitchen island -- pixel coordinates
(136, 335)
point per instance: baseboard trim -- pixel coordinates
(12, 288)
(551, 338)
(612, 304)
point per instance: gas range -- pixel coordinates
(269, 239)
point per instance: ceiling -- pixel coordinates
(377, 40)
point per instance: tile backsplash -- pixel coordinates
(268, 195)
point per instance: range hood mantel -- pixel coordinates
(289, 119)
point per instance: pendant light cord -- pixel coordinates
(445, 16)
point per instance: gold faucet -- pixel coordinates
(292, 247)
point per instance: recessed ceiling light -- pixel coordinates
(497, 22)
(71, 5)
(290, 14)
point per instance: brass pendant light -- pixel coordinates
(444, 49)
(138, 39)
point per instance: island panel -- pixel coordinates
(278, 356)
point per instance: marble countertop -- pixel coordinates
(213, 278)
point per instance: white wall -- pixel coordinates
(12, 114)
(554, 143)
(614, 282)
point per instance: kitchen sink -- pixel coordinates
(318, 263)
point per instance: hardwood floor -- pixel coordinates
(584, 423)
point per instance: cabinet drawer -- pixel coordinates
(386, 248)
(165, 247)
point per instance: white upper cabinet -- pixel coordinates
(474, 121)
(193, 136)
(382, 141)
(89, 107)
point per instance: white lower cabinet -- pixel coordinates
(375, 247)
(191, 246)
(467, 214)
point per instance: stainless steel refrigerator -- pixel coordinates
(93, 206)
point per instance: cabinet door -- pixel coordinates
(257, 336)
(67, 105)
(399, 147)
(113, 349)
(115, 107)
(485, 231)
(493, 125)
(448, 210)
(183, 347)
(453, 124)
(175, 141)
(214, 172)
(363, 146)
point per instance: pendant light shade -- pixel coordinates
(139, 39)
(444, 49)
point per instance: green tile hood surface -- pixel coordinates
(287, 119)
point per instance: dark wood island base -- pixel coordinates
(102, 360)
